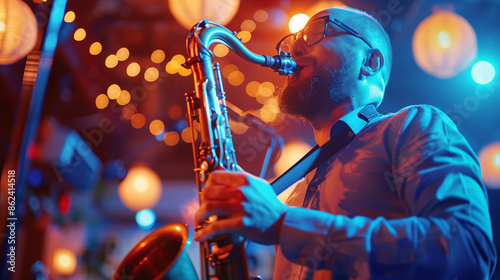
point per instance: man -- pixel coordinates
(402, 200)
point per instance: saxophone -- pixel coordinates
(156, 254)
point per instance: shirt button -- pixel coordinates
(313, 188)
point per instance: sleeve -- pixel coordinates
(447, 233)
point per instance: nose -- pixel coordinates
(298, 47)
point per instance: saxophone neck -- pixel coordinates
(206, 33)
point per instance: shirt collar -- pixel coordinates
(354, 120)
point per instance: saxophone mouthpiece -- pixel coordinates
(283, 64)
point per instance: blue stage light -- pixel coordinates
(145, 218)
(35, 177)
(483, 72)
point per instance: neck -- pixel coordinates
(323, 123)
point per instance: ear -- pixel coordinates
(373, 64)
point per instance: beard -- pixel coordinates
(307, 98)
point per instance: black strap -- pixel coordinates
(318, 154)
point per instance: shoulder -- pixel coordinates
(422, 118)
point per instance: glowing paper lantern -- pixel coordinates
(444, 44)
(18, 30)
(188, 13)
(489, 157)
(141, 189)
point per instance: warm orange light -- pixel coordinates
(172, 67)
(237, 127)
(151, 74)
(18, 31)
(129, 111)
(186, 135)
(184, 72)
(123, 98)
(236, 78)
(101, 101)
(171, 138)
(158, 56)
(111, 61)
(489, 157)
(444, 44)
(244, 35)
(228, 69)
(156, 127)
(133, 69)
(292, 152)
(79, 34)
(122, 54)
(179, 58)
(221, 50)
(266, 89)
(114, 91)
(252, 88)
(175, 111)
(138, 120)
(141, 189)
(260, 16)
(69, 16)
(188, 13)
(95, 48)
(248, 25)
(64, 262)
(297, 22)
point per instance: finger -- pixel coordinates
(210, 208)
(219, 227)
(225, 178)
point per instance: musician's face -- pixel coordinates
(328, 75)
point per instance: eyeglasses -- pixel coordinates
(313, 33)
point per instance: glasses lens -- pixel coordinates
(286, 44)
(314, 31)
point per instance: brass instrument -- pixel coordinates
(207, 106)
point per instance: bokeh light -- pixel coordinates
(175, 111)
(101, 101)
(186, 135)
(156, 127)
(171, 138)
(483, 72)
(236, 78)
(138, 120)
(133, 69)
(122, 54)
(228, 69)
(123, 98)
(129, 111)
(248, 25)
(221, 50)
(35, 177)
(79, 34)
(297, 22)
(151, 74)
(95, 48)
(184, 72)
(266, 89)
(145, 218)
(64, 261)
(141, 188)
(111, 61)
(252, 88)
(244, 35)
(489, 157)
(114, 91)
(69, 16)
(260, 16)
(158, 56)
(292, 152)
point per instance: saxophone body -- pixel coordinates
(213, 150)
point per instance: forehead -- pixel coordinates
(345, 16)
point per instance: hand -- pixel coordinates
(248, 204)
